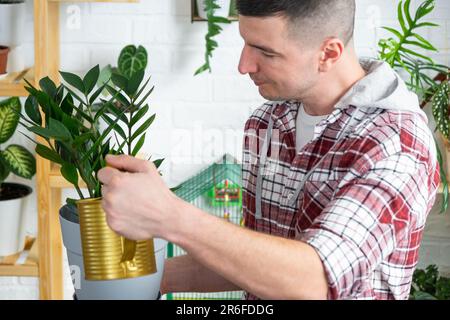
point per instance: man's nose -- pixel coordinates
(247, 63)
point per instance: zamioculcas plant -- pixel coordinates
(75, 141)
(13, 158)
(409, 51)
(70, 128)
(213, 30)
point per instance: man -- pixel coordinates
(339, 172)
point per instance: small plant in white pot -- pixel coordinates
(221, 8)
(12, 23)
(104, 264)
(19, 161)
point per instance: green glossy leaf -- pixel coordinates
(400, 18)
(142, 89)
(120, 97)
(427, 24)
(42, 132)
(47, 153)
(32, 110)
(72, 124)
(9, 117)
(113, 109)
(90, 79)
(59, 131)
(131, 60)
(97, 93)
(83, 114)
(144, 99)
(138, 145)
(59, 94)
(406, 9)
(158, 163)
(48, 86)
(70, 173)
(67, 105)
(81, 139)
(202, 69)
(101, 139)
(427, 44)
(120, 81)
(134, 82)
(220, 20)
(392, 30)
(420, 45)
(73, 80)
(114, 125)
(424, 9)
(138, 116)
(142, 128)
(105, 75)
(417, 54)
(20, 161)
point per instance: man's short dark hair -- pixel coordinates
(307, 18)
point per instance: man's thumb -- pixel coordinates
(127, 163)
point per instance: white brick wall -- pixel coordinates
(198, 118)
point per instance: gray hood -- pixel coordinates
(381, 88)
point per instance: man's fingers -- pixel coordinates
(106, 174)
(128, 163)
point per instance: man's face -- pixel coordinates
(281, 67)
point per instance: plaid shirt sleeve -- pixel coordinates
(371, 215)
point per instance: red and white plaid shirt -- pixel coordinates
(364, 206)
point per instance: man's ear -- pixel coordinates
(330, 53)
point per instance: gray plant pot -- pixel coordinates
(140, 288)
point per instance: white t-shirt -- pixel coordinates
(305, 127)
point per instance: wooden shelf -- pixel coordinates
(13, 85)
(22, 264)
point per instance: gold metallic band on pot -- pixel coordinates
(103, 249)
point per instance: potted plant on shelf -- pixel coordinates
(105, 265)
(208, 9)
(409, 52)
(12, 21)
(221, 8)
(18, 160)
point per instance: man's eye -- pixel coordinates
(269, 55)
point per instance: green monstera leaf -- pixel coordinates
(132, 60)
(9, 117)
(20, 161)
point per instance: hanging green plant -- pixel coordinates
(214, 29)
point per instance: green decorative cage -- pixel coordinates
(217, 190)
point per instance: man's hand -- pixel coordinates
(137, 202)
